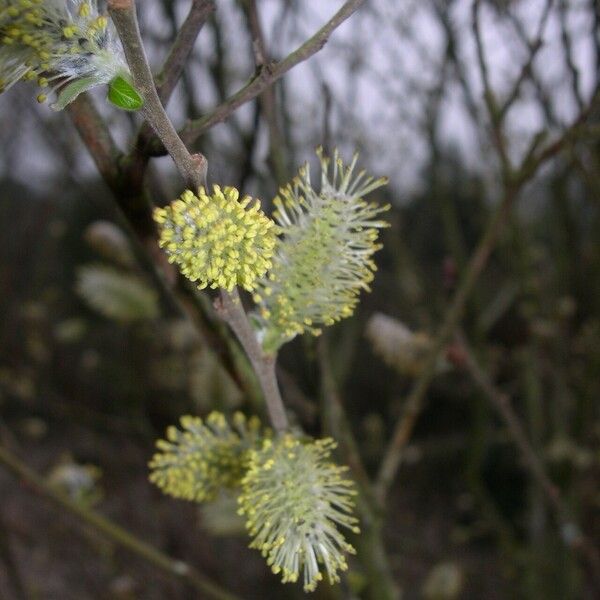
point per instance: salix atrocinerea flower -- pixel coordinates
(66, 44)
(202, 457)
(117, 295)
(294, 500)
(217, 239)
(324, 258)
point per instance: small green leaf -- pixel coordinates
(123, 95)
(71, 91)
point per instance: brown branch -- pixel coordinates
(167, 79)
(266, 76)
(369, 543)
(567, 43)
(534, 47)
(535, 159)
(113, 168)
(488, 94)
(502, 403)
(114, 532)
(97, 138)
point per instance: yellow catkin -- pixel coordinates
(218, 240)
(294, 501)
(324, 259)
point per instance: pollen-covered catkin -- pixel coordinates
(217, 239)
(196, 461)
(324, 259)
(294, 501)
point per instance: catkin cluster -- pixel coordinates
(294, 499)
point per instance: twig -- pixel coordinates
(193, 168)
(501, 402)
(370, 541)
(533, 47)
(182, 47)
(267, 75)
(124, 16)
(97, 138)
(168, 77)
(114, 532)
(488, 93)
(114, 169)
(571, 533)
(567, 43)
(231, 310)
(267, 99)
(7, 556)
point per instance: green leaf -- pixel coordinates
(71, 91)
(122, 94)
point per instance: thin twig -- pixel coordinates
(501, 402)
(7, 556)
(488, 93)
(231, 310)
(114, 532)
(567, 43)
(182, 47)
(370, 545)
(267, 99)
(124, 16)
(169, 75)
(97, 138)
(534, 48)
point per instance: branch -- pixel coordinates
(230, 308)
(170, 74)
(533, 47)
(193, 168)
(502, 403)
(182, 47)
(125, 187)
(488, 93)
(567, 43)
(97, 138)
(370, 546)
(267, 99)
(124, 16)
(114, 532)
(267, 75)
